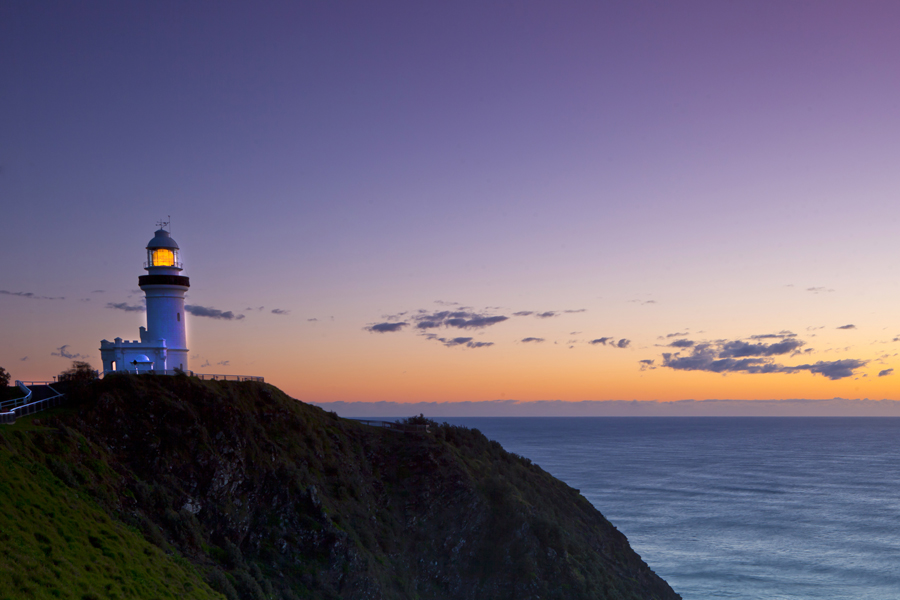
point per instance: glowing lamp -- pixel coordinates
(162, 257)
(162, 252)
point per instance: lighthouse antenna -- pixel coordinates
(164, 224)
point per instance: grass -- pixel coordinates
(57, 543)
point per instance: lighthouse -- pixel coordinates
(163, 343)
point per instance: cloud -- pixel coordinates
(459, 319)
(677, 334)
(608, 341)
(475, 322)
(774, 336)
(885, 372)
(126, 307)
(212, 313)
(98, 292)
(532, 339)
(224, 363)
(740, 349)
(738, 356)
(547, 314)
(31, 295)
(459, 341)
(386, 327)
(818, 290)
(681, 344)
(445, 303)
(280, 311)
(64, 353)
(836, 369)
(646, 364)
(850, 326)
(312, 320)
(205, 364)
(24, 358)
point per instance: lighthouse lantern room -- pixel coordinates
(163, 344)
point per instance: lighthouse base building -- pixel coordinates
(162, 345)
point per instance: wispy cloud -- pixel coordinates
(532, 339)
(212, 313)
(647, 364)
(31, 295)
(280, 311)
(459, 341)
(224, 363)
(885, 372)
(608, 341)
(386, 327)
(546, 314)
(819, 290)
(126, 307)
(459, 319)
(681, 343)
(850, 326)
(63, 352)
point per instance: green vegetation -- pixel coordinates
(268, 497)
(57, 543)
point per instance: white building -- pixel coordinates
(163, 343)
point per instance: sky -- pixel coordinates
(463, 201)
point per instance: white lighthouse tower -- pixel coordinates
(163, 343)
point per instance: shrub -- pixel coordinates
(80, 371)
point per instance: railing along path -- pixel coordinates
(26, 405)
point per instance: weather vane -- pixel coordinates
(165, 223)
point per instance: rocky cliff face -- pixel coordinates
(272, 498)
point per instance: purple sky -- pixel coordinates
(716, 169)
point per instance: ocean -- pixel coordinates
(743, 508)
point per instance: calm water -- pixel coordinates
(749, 508)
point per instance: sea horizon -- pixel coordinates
(834, 407)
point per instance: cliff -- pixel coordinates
(255, 495)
